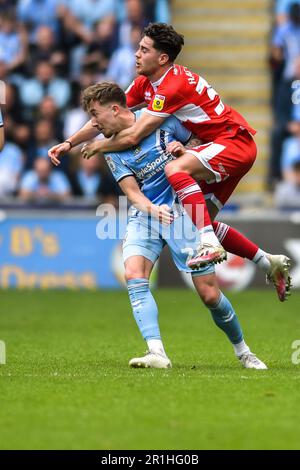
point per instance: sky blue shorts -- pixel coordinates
(147, 237)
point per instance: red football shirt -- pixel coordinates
(191, 99)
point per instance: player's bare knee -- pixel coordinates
(209, 294)
(134, 273)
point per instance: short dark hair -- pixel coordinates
(103, 93)
(165, 39)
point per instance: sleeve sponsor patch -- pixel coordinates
(158, 102)
(111, 164)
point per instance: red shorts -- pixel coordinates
(229, 158)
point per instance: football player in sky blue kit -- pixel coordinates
(156, 221)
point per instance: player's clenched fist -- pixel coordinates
(57, 151)
(176, 149)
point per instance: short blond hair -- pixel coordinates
(103, 93)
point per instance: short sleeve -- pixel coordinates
(176, 129)
(1, 119)
(134, 94)
(118, 169)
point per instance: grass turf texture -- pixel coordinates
(66, 384)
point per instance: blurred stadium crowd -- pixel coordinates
(49, 51)
(284, 168)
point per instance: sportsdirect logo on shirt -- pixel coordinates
(158, 102)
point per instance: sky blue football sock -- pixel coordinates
(225, 318)
(144, 308)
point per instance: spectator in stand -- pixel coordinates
(161, 11)
(43, 184)
(90, 12)
(13, 42)
(35, 13)
(287, 193)
(286, 42)
(11, 166)
(73, 33)
(282, 10)
(290, 155)
(103, 44)
(156, 11)
(49, 111)
(121, 68)
(45, 83)
(79, 18)
(11, 109)
(286, 115)
(46, 49)
(93, 180)
(7, 6)
(43, 136)
(134, 17)
(284, 50)
(75, 117)
(17, 129)
(42, 44)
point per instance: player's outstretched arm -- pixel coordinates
(126, 138)
(86, 133)
(130, 187)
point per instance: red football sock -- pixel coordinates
(234, 242)
(191, 197)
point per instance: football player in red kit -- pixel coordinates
(225, 152)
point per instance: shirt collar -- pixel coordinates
(158, 82)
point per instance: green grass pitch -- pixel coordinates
(67, 385)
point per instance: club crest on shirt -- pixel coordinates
(136, 150)
(158, 102)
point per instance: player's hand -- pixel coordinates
(176, 149)
(91, 149)
(56, 152)
(162, 213)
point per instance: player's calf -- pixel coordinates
(225, 318)
(145, 312)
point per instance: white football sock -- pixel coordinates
(241, 348)
(156, 345)
(208, 236)
(261, 260)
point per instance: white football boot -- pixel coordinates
(151, 359)
(279, 275)
(207, 254)
(250, 361)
